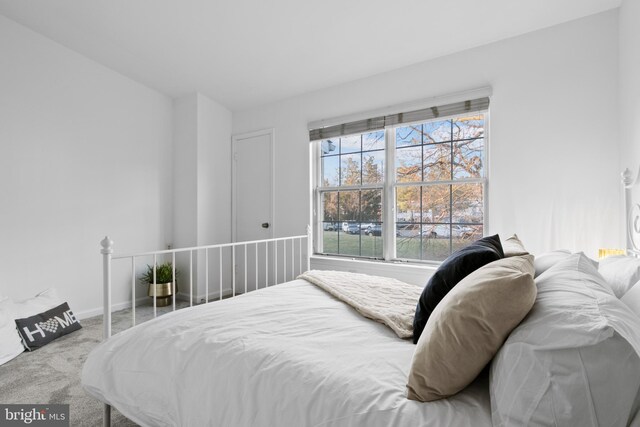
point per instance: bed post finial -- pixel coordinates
(107, 245)
(627, 179)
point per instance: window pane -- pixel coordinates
(330, 238)
(330, 171)
(373, 141)
(350, 169)
(409, 135)
(437, 162)
(468, 159)
(437, 131)
(408, 204)
(408, 239)
(330, 206)
(409, 164)
(373, 167)
(434, 248)
(371, 206)
(372, 241)
(349, 202)
(350, 144)
(467, 203)
(468, 127)
(329, 146)
(464, 235)
(436, 203)
(349, 236)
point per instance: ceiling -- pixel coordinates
(245, 53)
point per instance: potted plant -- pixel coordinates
(163, 283)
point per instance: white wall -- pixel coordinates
(554, 141)
(629, 13)
(84, 152)
(202, 190)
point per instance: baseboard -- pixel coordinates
(85, 314)
(197, 299)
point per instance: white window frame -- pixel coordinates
(388, 187)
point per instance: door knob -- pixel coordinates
(265, 225)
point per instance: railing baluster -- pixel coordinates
(155, 261)
(220, 262)
(190, 278)
(173, 281)
(133, 291)
(245, 269)
(284, 261)
(300, 256)
(256, 263)
(293, 260)
(206, 275)
(266, 264)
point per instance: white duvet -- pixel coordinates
(289, 355)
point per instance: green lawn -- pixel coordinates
(340, 243)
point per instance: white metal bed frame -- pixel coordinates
(107, 257)
(632, 236)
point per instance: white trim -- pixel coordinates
(399, 108)
(390, 185)
(235, 138)
(389, 197)
(415, 274)
(92, 312)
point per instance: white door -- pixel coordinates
(252, 204)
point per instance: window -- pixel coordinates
(352, 171)
(432, 170)
(438, 185)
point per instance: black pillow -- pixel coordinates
(453, 269)
(39, 330)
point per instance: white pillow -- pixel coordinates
(632, 298)
(546, 260)
(621, 272)
(573, 361)
(10, 342)
(512, 246)
(43, 301)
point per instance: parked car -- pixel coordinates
(407, 230)
(330, 226)
(435, 231)
(352, 228)
(365, 225)
(374, 230)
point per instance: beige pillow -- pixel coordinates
(513, 247)
(468, 327)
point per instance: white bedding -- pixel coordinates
(289, 355)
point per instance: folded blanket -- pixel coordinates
(382, 299)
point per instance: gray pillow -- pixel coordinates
(39, 330)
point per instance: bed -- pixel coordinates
(293, 354)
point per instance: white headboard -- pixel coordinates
(632, 210)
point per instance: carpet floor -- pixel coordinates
(51, 374)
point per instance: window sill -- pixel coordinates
(416, 274)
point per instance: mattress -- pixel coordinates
(288, 355)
